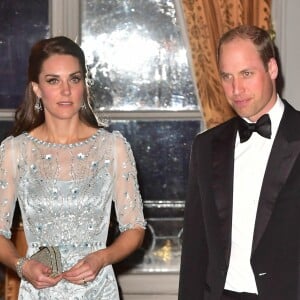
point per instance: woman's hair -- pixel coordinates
(27, 117)
(259, 37)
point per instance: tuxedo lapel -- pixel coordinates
(284, 152)
(222, 182)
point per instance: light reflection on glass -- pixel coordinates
(161, 150)
(137, 50)
(138, 60)
(136, 56)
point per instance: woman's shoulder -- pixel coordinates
(113, 134)
(12, 145)
(11, 140)
(117, 139)
(120, 138)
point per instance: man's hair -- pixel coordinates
(258, 36)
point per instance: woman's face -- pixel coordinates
(61, 86)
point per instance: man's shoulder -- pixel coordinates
(219, 130)
(290, 115)
(289, 107)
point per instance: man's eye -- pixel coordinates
(225, 77)
(247, 74)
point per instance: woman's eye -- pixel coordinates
(52, 80)
(76, 79)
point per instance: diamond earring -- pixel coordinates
(38, 105)
(83, 106)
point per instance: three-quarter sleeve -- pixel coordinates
(8, 163)
(127, 198)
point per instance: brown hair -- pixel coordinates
(26, 117)
(259, 37)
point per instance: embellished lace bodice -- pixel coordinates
(65, 192)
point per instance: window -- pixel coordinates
(142, 84)
(136, 55)
(141, 78)
(22, 23)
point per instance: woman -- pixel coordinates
(65, 170)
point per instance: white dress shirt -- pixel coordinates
(250, 161)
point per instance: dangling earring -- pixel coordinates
(38, 105)
(83, 106)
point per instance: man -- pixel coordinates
(242, 216)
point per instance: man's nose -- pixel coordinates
(237, 86)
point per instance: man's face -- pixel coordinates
(249, 87)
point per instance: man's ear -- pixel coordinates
(273, 68)
(36, 89)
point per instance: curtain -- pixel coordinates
(206, 21)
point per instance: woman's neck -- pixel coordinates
(63, 134)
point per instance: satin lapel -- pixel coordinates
(282, 158)
(222, 183)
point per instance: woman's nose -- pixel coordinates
(66, 89)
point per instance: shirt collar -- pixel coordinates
(275, 114)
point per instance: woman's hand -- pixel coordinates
(39, 275)
(86, 269)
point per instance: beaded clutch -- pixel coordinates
(49, 256)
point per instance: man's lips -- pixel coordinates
(241, 102)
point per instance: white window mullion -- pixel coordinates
(64, 18)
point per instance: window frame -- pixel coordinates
(64, 19)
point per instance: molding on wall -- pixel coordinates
(66, 19)
(149, 286)
(279, 20)
(285, 15)
(7, 114)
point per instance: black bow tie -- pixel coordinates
(262, 126)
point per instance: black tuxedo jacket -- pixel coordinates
(275, 257)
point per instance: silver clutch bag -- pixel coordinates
(49, 256)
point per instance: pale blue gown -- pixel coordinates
(65, 194)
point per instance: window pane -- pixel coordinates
(22, 24)
(136, 55)
(161, 150)
(5, 129)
